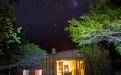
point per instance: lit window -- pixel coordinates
(38, 72)
(26, 72)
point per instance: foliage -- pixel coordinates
(14, 50)
(102, 23)
(31, 55)
(0, 49)
(1, 67)
(116, 61)
(91, 51)
(31, 46)
(118, 48)
(9, 35)
(97, 59)
(118, 73)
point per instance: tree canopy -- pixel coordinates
(9, 35)
(101, 23)
(30, 55)
(14, 50)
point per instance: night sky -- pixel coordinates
(43, 21)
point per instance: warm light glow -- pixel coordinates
(26, 72)
(66, 69)
(70, 66)
(66, 66)
(38, 72)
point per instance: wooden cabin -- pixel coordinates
(69, 62)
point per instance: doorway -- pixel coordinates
(70, 67)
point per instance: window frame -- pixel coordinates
(25, 72)
(40, 70)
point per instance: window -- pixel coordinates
(26, 72)
(38, 72)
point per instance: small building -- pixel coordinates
(69, 62)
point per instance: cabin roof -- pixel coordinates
(64, 51)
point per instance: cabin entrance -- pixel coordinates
(69, 67)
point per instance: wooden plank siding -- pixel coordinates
(48, 65)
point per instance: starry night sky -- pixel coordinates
(43, 21)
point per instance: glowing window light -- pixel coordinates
(26, 72)
(38, 72)
(66, 69)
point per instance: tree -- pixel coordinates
(31, 55)
(9, 36)
(118, 48)
(102, 23)
(96, 56)
(0, 49)
(15, 51)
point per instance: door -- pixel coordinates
(70, 67)
(80, 67)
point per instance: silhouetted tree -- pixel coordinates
(30, 55)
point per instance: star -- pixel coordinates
(55, 24)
